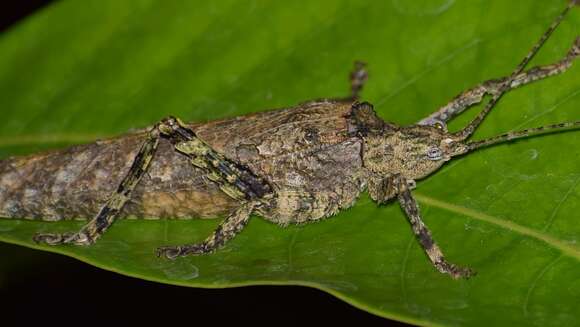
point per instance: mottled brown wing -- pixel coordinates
(75, 182)
(276, 133)
(305, 148)
(307, 154)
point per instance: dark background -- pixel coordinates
(42, 287)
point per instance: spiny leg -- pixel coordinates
(358, 78)
(382, 189)
(228, 229)
(233, 178)
(468, 130)
(493, 87)
(90, 232)
(411, 208)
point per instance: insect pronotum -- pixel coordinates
(291, 165)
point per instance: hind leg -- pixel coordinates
(90, 232)
(234, 179)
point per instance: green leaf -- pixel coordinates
(79, 70)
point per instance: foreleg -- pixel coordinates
(384, 189)
(411, 208)
(492, 87)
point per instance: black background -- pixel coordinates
(38, 287)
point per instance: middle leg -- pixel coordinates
(227, 230)
(234, 179)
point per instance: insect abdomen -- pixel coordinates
(74, 183)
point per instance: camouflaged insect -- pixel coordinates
(289, 166)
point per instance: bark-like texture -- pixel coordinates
(302, 149)
(76, 182)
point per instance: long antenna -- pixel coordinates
(466, 132)
(531, 132)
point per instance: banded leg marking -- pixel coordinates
(233, 178)
(492, 87)
(227, 230)
(90, 232)
(411, 209)
(383, 189)
(472, 126)
(358, 78)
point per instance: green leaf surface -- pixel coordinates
(78, 70)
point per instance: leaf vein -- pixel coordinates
(414, 79)
(560, 203)
(534, 283)
(404, 270)
(565, 247)
(549, 110)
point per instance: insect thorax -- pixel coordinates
(413, 152)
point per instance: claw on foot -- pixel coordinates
(172, 252)
(65, 238)
(50, 239)
(454, 271)
(169, 252)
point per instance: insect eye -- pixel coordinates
(434, 153)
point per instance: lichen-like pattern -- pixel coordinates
(75, 182)
(291, 165)
(309, 141)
